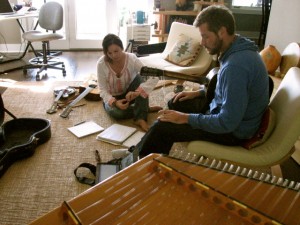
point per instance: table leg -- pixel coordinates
(24, 53)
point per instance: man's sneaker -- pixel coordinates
(120, 153)
(135, 153)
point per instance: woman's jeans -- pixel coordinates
(138, 108)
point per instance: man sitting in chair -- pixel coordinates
(240, 99)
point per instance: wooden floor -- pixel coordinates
(79, 65)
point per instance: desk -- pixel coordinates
(17, 17)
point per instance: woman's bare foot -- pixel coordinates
(143, 124)
(155, 108)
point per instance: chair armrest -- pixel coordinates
(143, 50)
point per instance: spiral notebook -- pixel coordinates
(118, 134)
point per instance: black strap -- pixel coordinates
(86, 180)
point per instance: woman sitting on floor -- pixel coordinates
(122, 89)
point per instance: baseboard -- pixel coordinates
(11, 48)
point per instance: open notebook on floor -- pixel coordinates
(122, 135)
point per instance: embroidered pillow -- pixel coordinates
(184, 52)
(266, 127)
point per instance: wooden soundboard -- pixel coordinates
(183, 190)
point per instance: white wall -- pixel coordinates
(284, 25)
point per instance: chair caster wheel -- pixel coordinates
(37, 77)
(64, 73)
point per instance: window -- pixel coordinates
(246, 3)
(127, 10)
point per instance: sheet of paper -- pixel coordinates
(85, 129)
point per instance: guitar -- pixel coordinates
(93, 95)
(68, 109)
(54, 106)
(210, 80)
(60, 92)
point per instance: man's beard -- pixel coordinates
(217, 49)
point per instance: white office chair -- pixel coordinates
(50, 19)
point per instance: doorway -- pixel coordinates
(87, 22)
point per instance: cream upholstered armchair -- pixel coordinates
(280, 144)
(193, 70)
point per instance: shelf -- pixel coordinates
(160, 35)
(164, 14)
(163, 20)
(176, 13)
(209, 3)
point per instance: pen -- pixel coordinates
(79, 123)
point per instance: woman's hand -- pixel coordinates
(122, 104)
(173, 116)
(131, 95)
(185, 95)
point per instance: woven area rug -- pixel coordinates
(34, 186)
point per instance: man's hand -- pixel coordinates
(122, 104)
(185, 95)
(173, 116)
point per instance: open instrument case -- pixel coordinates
(19, 137)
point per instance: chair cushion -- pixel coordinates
(184, 51)
(266, 127)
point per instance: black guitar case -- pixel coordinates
(19, 137)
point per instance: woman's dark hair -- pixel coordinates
(216, 17)
(108, 40)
